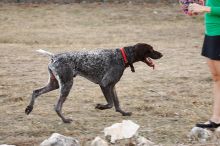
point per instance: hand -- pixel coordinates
(196, 8)
(202, 2)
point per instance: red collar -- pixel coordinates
(124, 56)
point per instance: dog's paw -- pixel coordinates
(124, 113)
(127, 114)
(28, 109)
(103, 107)
(67, 120)
(99, 106)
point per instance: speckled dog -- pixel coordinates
(103, 67)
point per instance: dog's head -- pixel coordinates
(144, 52)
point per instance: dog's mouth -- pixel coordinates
(149, 62)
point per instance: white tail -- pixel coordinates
(45, 52)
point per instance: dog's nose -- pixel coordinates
(158, 54)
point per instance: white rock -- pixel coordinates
(155, 12)
(99, 142)
(141, 141)
(57, 139)
(6, 145)
(126, 129)
(200, 134)
(217, 132)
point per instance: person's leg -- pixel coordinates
(214, 122)
(214, 67)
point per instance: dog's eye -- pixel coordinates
(150, 51)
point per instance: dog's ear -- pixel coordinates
(144, 47)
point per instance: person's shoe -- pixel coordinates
(208, 125)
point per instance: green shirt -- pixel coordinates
(212, 19)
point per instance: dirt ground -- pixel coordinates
(166, 102)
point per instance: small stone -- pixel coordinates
(126, 129)
(99, 142)
(200, 134)
(141, 141)
(57, 139)
(217, 132)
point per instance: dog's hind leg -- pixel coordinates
(65, 78)
(108, 97)
(64, 92)
(52, 85)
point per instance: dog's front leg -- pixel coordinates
(108, 85)
(117, 105)
(108, 97)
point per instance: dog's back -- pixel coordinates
(92, 65)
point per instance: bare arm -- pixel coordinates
(196, 8)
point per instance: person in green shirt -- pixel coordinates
(211, 50)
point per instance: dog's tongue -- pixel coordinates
(149, 62)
